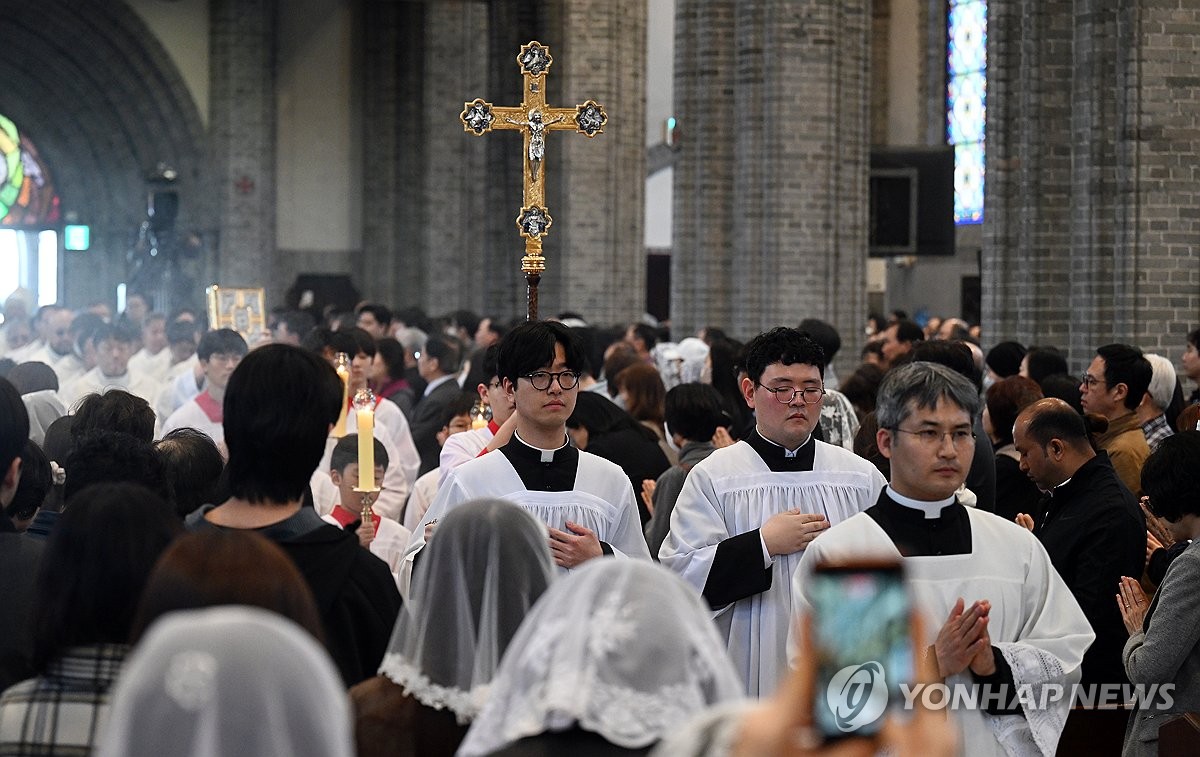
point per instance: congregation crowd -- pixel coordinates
(579, 539)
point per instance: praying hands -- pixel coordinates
(1132, 603)
(570, 550)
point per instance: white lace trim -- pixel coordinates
(464, 704)
(1042, 727)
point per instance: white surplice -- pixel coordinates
(601, 500)
(1035, 621)
(732, 492)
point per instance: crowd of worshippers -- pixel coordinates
(584, 540)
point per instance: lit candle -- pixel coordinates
(364, 409)
(341, 364)
(479, 413)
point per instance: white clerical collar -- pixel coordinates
(547, 454)
(932, 510)
(1064, 483)
(786, 452)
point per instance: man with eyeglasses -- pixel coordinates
(747, 512)
(584, 500)
(219, 353)
(1113, 386)
(1007, 619)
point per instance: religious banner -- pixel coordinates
(243, 310)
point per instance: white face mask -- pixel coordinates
(670, 437)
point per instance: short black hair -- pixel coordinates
(1041, 362)
(95, 566)
(1057, 422)
(490, 365)
(279, 405)
(181, 331)
(600, 416)
(909, 331)
(360, 341)
(1125, 364)
(823, 334)
(647, 333)
(36, 479)
(298, 322)
(345, 452)
(192, 467)
(113, 457)
(380, 312)
(530, 346)
(467, 320)
(459, 404)
(222, 341)
(1170, 478)
(1064, 387)
(115, 410)
(694, 411)
(117, 332)
(953, 354)
(447, 350)
(1194, 338)
(781, 345)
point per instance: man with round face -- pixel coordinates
(154, 358)
(585, 501)
(1006, 617)
(465, 447)
(747, 512)
(114, 346)
(220, 352)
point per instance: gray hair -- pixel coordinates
(918, 385)
(1162, 381)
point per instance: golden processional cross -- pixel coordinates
(533, 118)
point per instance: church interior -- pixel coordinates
(762, 161)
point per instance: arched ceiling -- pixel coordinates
(102, 101)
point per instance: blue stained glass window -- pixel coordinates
(966, 104)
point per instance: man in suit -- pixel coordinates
(438, 364)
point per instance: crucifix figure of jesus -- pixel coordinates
(533, 118)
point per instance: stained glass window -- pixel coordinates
(966, 104)
(27, 196)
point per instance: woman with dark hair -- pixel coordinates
(209, 568)
(36, 479)
(480, 574)
(1164, 635)
(724, 364)
(1015, 492)
(387, 374)
(861, 387)
(601, 428)
(644, 396)
(95, 565)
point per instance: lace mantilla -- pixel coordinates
(464, 704)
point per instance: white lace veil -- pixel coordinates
(225, 681)
(485, 566)
(621, 648)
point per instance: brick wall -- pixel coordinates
(771, 184)
(1091, 230)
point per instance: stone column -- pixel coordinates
(1090, 220)
(242, 129)
(595, 252)
(771, 188)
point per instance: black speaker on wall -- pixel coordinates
(161, 209)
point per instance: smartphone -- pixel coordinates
(862, 636)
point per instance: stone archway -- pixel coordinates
(99, 95)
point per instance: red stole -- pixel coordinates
(210, 406)
(345, 517)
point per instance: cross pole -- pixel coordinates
(533, 118)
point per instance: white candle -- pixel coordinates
(366, 448)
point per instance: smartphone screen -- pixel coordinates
(862, 634)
